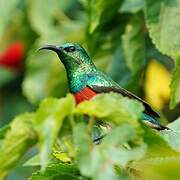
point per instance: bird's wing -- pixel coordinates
(124, 92)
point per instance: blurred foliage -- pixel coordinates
(125, 150)
(123, 37)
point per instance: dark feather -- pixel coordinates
(124, 92)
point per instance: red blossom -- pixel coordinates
(12, 57)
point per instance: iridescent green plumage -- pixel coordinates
(82, 73)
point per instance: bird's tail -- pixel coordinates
(153, 123)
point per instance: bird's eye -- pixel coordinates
(70, 49)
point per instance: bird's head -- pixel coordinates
(72, 55)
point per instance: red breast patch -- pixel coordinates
(85, 94)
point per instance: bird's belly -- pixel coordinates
(84, 94)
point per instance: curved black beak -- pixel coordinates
(51, 47)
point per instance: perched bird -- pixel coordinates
(86, 81)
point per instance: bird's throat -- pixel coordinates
(85, 94)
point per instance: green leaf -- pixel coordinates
(162, 158)
(132, 6)
(57, 171)
(119, 65)
(123, 156)
(159, 168)
(83, 142)
(48, 121)
(115, 138)
(157, 145)
(19, 138)
(128, 80)
(112, 107)
(124, 144)
(4, 130)
(98, 162)
(134, 45)
(113, 142)
(34, 161)
(162, 20)
(175, 86)
(62, 156)
(153, 53)
(100, 12)
(173, 136)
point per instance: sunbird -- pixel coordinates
(86, 81)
